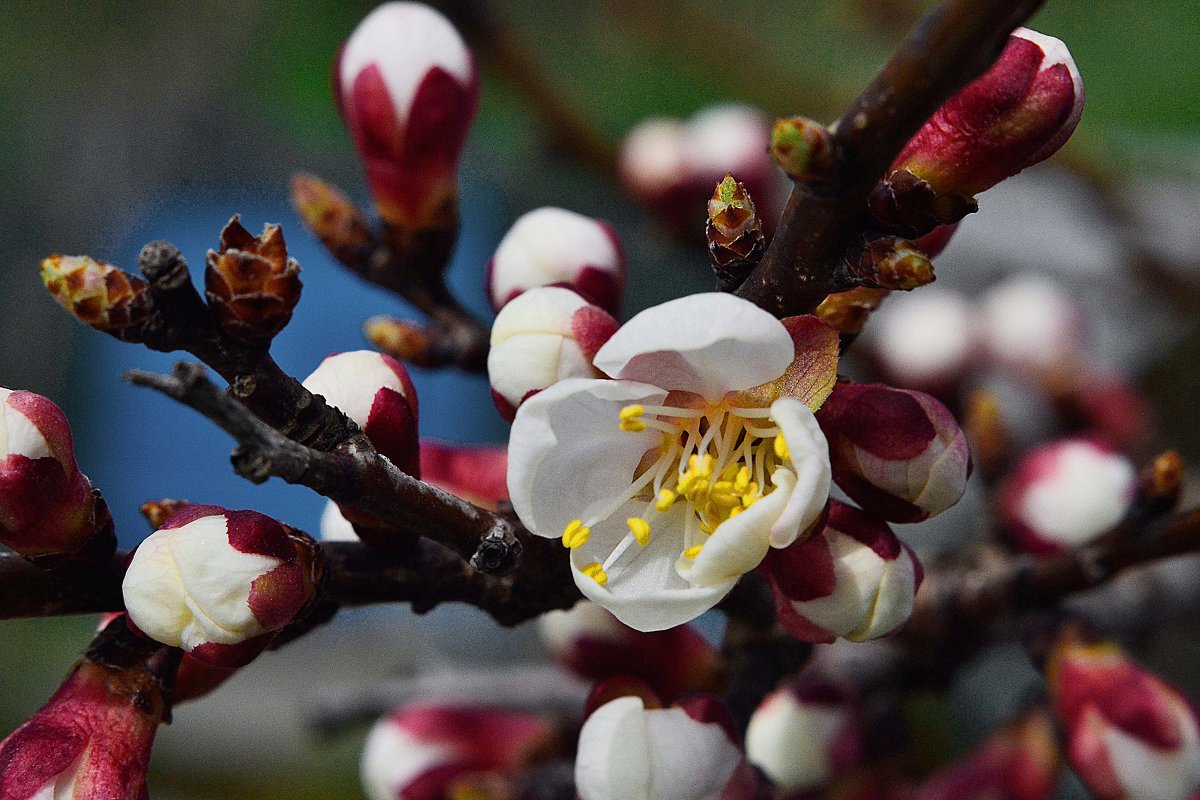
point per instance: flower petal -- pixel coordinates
(813, 371)
(692, 760)
(568, 458)
(613, 760)
(810, 461)
(709, 344)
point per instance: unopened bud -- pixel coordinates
(375, 391)
(432, 751)
(476, 473)
(407, 89)
(924, 341)
(848, 312)
(218, 583)
(591, 642)
(805, 734)
(735, 236)
(556, 247)
(897, 453)
(334, 220)
(1130, 735)
(1030, 324)
(47, 506)
(852, 579)
(803, 148)
(541, 337)
(987, 432)
(99, 294)
(890, 262)
(1065, 494)
(250, 283)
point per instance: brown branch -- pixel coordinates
(27, 591)
(952, 45)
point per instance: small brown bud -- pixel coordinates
(909, 205)
(251, 284)
(407, 341)
(1159, 485)
(99, 294)
(891, 263)
(735, 235)
(333, 219)
(990, 440)
(157, 512)
(802, 147)
(847, 312)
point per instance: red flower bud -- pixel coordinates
(852, 579)
(407, 88)
(897, 453)
(46, 504)
(476, 473)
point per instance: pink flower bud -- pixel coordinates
(407, 88)
(477, 473)
(924, 340)
(1016, 114)
(540, 338)
(1130, 735)
(1018, 762)
(805, 734)
(218, 583)
(556, 247)
(375, 391)
(90, 742)
(421, 752)
(1065, 494)
(853, 579)
(46, 503)
(1029, 324)
(899, 454)
(591, 642)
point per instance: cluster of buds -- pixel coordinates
(805, 734)
(556, 247)
(220, 583)
(1129, 734)
(250, 283)
(100, 295)
(671, 166)
(595, 645)
(407, 89)
(47, 506)
(1018, 113)
(424, 752)
(1065, 494)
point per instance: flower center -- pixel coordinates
(715, 461)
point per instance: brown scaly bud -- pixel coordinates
(333, 219)
(99, 294)
(890, 262)
(157, 512)
(904, 203)
(847, 312)
(407, 341)
(735, 235)
(250, 283)
(989, 438)
(1159, 485)
(803, 148)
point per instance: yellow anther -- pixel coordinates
(691, 553)
(666, 498)
(707, 527)
(701, 465)
(633, 426)
(595, 572)
(640, 529)
(751, 495)
(632, 412)
(575, 534)
(729, 472)
(781, 448)
(733, 512)
(742, 482)
(724, 500)
(723, 486)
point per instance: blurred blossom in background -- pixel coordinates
(129, 122)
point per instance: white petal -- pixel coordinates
(549, 245)
(1147, 773)
(691, 760)
(392, 758)
(349, 381)
(792, 741)
(810, 460)
(859, 570)
(525, 363)
(893, 602)
(567, 456)
(334, 526)
(613, 760)
(19, 435)
(705, 343)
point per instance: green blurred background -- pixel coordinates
(115, 110)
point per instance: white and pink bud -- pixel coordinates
(1129, 734)
(544, 336)
(407, 89)
(628, 751)
(1030, 324)
(46, 504)
(805, 734)
(591, 642)
(375, 391)
(90, 742)
(477, 473)
(422, 752)
(853, 579)
(1065, 494)
(219, 583)
(925, 340)
(897, 453)
(555, 247)
(1018, 113)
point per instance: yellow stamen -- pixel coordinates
(632, 412)
(733, 512)
(724, 499)
(781, 448)
(666, 498)
(691, 553)
(633, 426)
(575, 534)
(640, 530)
(742, 482)
(595, 572)
(707, 527)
